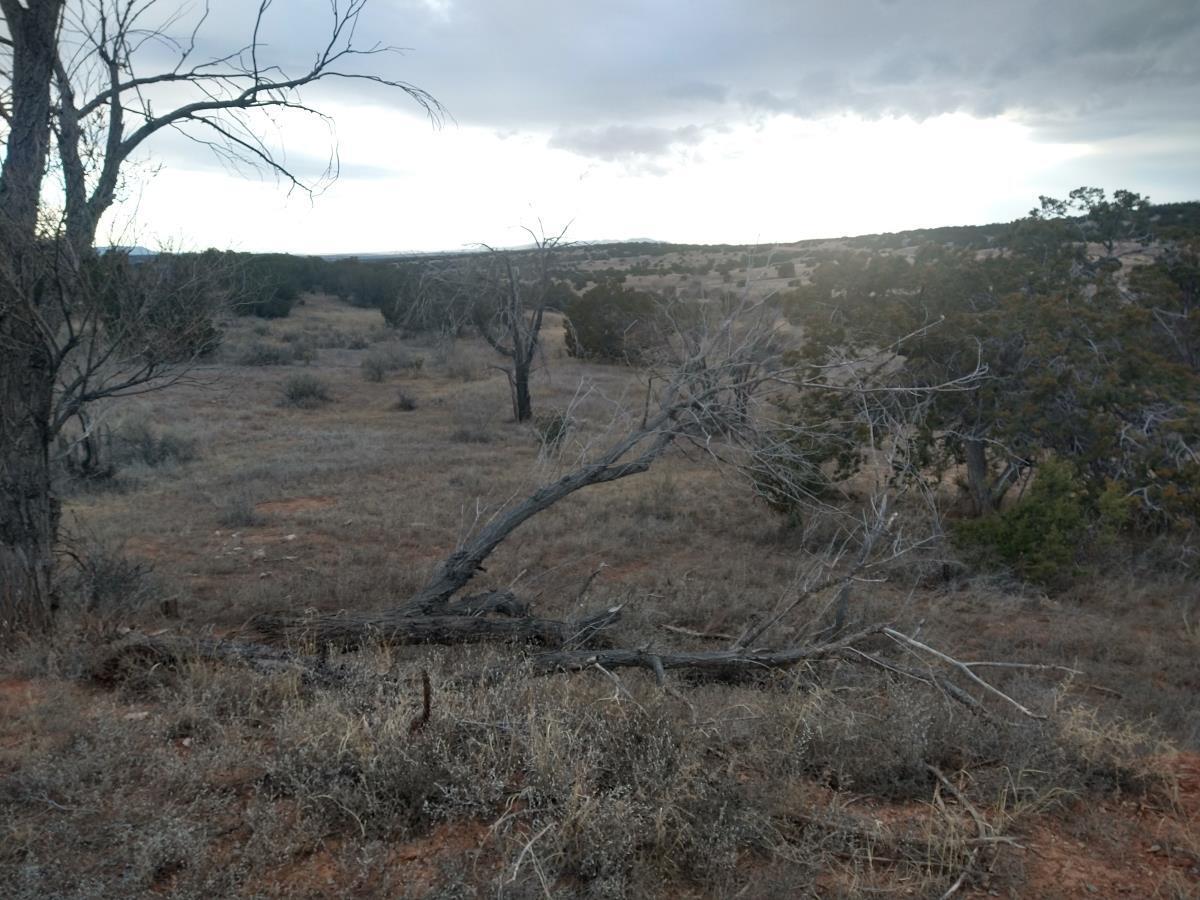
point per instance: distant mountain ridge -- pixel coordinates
(132, 250)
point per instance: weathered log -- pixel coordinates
(735, 663)
(142, 653)
(349, 629)
(502, 603)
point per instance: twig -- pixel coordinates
(528, 848)
(426, 704)
(1019, 665)
(980, 825)
(689, 632)
(587, 584)
(900, 637)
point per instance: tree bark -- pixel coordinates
(978, 481)
(350, 630)
(33, 32)
(524, 406)
(29, 512)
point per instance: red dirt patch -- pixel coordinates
(417, 865)
(1153, 852)
(1187, 769)
(18, 695)
(330, 871)
(295, 505)
(1060, 867)
(161, 549)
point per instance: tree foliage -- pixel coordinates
(1084, 361)
(612, 323)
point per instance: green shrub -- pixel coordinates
(611, 322)
(269, 285)
(1040, 537)
(272, 303)
(305, 391)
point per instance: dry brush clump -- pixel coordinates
(594, 785)
(304, 391)
(382, 361)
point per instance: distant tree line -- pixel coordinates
(1091, 367)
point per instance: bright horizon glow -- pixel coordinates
(408, 187)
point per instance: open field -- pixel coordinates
(827, 780)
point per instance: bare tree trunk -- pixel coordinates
(508, 290)
(29, 511)
(524, 406)
(978, 481)
(33, 32)
(73, 78)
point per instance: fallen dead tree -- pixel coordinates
(140, 653)
(496, 616)
(577, 653)
(719, 664)
(706, 401)
(349, 630)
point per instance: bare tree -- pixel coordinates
(510, 309)
(76, 101)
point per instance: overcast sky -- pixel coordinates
(701, 121)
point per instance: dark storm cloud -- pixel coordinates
(623, 77)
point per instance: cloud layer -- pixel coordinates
(1079, 70)
(742, 106)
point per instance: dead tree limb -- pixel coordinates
(902, 638)
(718, 663)
(141, 652)
(461, 565)
(502, 603)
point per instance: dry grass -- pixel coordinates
(206, 781)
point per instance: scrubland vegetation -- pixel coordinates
(839, 568)
(952, 475)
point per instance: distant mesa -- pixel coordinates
(133, 250)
